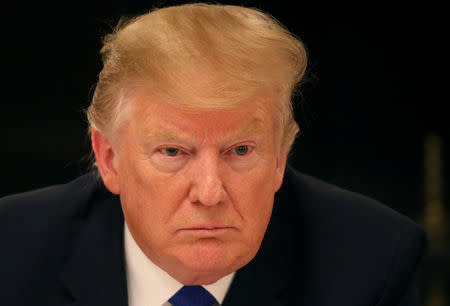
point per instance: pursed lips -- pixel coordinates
(206, 229)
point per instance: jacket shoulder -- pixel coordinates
(41, 233)
(36, 227)
(318, 199)
(367, 250)
(48, 201)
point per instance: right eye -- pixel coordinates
(170, 151)
(169, 158)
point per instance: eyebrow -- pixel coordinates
(254, 127)
(163, 134)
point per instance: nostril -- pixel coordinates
(207, 186)
(207, 194)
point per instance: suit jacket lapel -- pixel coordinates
(95, 272)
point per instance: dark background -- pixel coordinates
(376, 90)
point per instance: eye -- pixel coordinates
(241, 150)
(170, 151)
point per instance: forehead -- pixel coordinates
(156, 114)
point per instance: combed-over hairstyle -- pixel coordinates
(213, 56)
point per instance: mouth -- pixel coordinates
(206, 230)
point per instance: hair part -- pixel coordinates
(214, 56)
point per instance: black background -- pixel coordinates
(377, 85)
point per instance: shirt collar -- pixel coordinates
(148, 284)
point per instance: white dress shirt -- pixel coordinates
(149, 285)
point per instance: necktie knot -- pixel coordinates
(193, 296)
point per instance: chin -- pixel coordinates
(209, 261)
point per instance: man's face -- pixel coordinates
(197, 187)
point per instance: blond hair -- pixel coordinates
(239, 51)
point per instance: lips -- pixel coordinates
(206, 229)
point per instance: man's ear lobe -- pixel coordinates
(104, 156)
(279, 172)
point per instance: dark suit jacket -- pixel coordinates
(63, 245)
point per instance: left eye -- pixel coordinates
(241, 150)
(171, 151)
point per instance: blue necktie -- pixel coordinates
(193, 296)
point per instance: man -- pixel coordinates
(191, 125)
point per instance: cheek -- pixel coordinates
(148, 199)
(254, 196)
(259, 213)
(152, 198)
(149, 206)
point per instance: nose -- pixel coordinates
(207, 186)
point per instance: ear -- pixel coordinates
(279, 171)
(104, 156)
